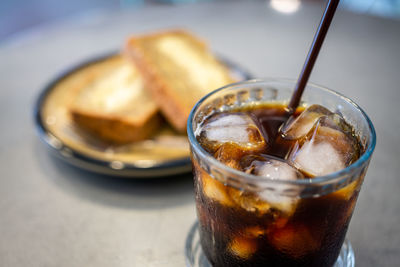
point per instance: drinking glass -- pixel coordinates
(237, 228)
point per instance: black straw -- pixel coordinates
(312, 55)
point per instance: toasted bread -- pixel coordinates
(114, 105)
(178, 69)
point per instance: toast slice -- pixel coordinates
(178, 69)
(114, 105)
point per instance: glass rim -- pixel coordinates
(319, 180)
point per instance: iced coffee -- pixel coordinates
(271, 191)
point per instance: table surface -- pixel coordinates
(56, 215)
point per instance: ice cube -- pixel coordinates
(249, 201)
(215, 190)
(295, 240)
(300, 126)
(327, 148)
(242, 247)
(238, 128)
(230, 154)
(348, 191)
(279, 196)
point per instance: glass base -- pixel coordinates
(196, 258)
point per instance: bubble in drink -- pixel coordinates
(300, 126)
(238, 128)
(280, 196)
(328, 147)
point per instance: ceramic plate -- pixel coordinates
(166, 153)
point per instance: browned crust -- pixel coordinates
(173, 109)
(114, 129)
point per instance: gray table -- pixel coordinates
(52, 214)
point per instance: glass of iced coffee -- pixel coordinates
(271, 191)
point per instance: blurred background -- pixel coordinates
(17, 16)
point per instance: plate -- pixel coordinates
(165, 154)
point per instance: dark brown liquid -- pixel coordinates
(233, 236)
(270, 118)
